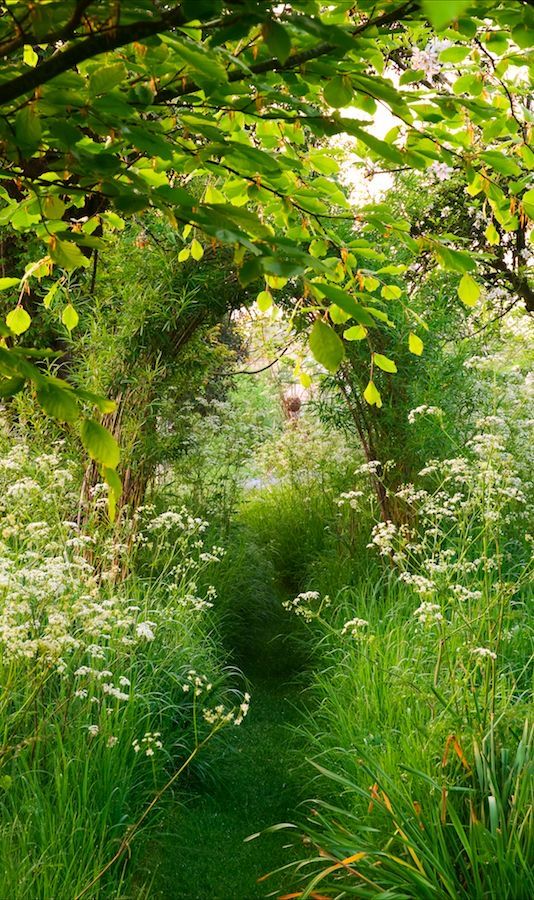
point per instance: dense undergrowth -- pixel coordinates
(375, 613)
(419, 732)
(108, 687)
(402, 648)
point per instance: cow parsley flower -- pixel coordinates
(144, 630)
(354, 627)
(429, 614)
(483, 653)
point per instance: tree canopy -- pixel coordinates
(218, 116)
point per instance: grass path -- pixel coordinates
(200, 852)
(203, 855)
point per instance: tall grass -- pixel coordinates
(106, 688)
(418, 735)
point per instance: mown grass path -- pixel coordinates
(202, 853)
(198, 850)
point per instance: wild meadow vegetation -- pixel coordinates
(266, 418)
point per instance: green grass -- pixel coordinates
(199, 851)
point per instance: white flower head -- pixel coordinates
(145, 630)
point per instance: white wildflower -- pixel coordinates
(483, 653)
(354, 626)
(429, 614)
(145, 630)
(424, 410)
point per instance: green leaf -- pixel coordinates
(6, 283)
(67, 255)
(384, 363)
(522, 36)
(370, 283)
(391, 292)
(50, 294)
(28, 129)
(468, 84)
(372, 395)
(277, 40)
(264, 300)
(454, 54)
(502, 163)
(70, 317)
(345, 301)
(11, 386)
(337, 315)
(318, 248)
(197, 250)
(410, 76)
(492, 235)
(115, 489)
(58, 402)
(53, 207)
(527, 156)
(381, 148)
(277, 282)
(113, 480)
(105, 78)
(355, 333)
(18, 320)
(455, 260)
(323, 163)
(415, 344)
(338, 91)
(100, 443)
(103, 404)
(468, 290)
(326, 346)
(527, 201)
(208, 71)
(441, 12)
(249, 271)
(30, 56)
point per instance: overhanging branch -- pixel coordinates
(121, 35)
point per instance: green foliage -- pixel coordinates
(92, 669)
(423, 688)
(101, 128)
(326, 346)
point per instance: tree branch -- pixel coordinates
(111, 39)
(519, 283)
(294, 61)
(253, 371)
(100, 42)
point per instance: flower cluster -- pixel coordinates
(483, 653)
(427, 59)
(177, 535)
(429, 614)
(350, 498)
(219, 715)
(196, 684)
(424, 410)
(302, 605)
(354, 627)
(460, 536)
(149, 743)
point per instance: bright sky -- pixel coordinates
(362, 188)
